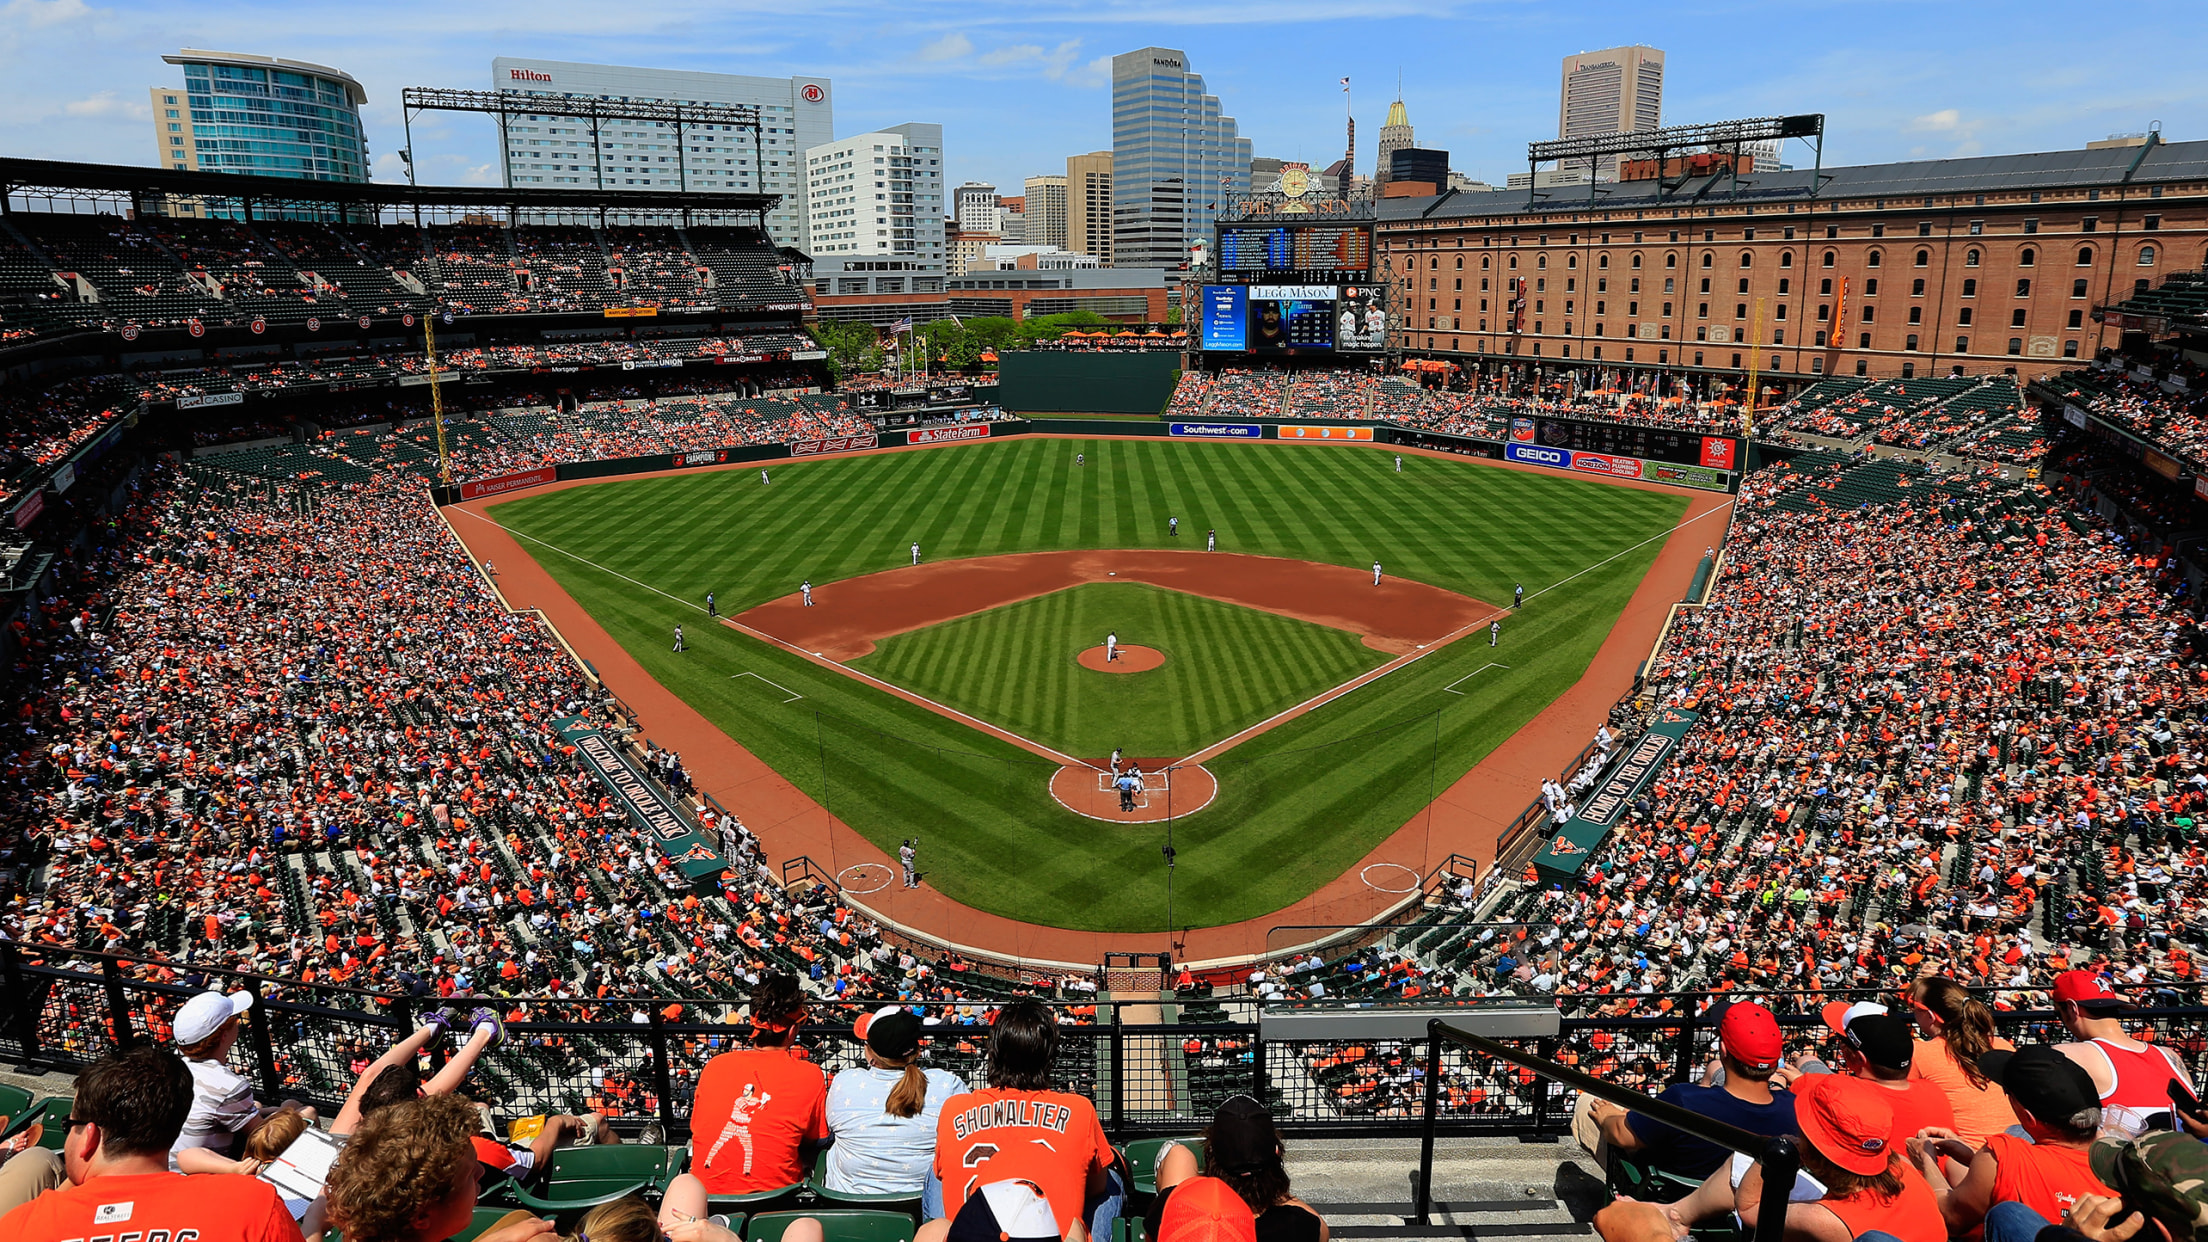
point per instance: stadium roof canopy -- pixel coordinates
(59, 181)
(2157, 162)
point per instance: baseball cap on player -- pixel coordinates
(1750, 1035)
(1013, 1210)
(1846, 1119)
(205, 1013)
(2087, 989)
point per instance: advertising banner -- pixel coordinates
(2073, 415)
(211, 399)
(1337, 434)
(1535, 455)
(509, 483)
(632, 312)
(948, 435)
(1684, 476)
(27, 512)
(1616, 466)
(2161, 463)
(65, 478)
(654, 816)
(1718, 452)
(701, 457)
(1568, 850)
(1604, 463)
(807, 355)
(834, 444)
(1217, 431)
(1226, 309)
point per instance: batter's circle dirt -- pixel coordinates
(1132, 659)
(1084, 790)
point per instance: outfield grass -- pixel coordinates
(1227, 667)
(1289, 817)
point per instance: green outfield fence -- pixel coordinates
(62, 1008)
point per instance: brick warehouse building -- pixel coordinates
(1993, 264)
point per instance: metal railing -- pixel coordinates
(1777, 1154)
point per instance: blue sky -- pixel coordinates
(1018, 87)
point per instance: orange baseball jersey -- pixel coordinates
(753, 1109)
(1048, 1137)
(211, 1207)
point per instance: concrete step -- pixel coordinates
(1484, 1188)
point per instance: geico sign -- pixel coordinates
(528, 75)
(1535, 456)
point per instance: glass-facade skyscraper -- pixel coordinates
(1175, 159)
(243, 113)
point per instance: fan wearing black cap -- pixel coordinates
(1876, 1047)
(2056, 1104)
(1242, 1149)
(884, 1113)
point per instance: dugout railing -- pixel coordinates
(637, 1058)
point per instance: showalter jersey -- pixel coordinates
(1048, 1137)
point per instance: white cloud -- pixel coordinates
(953, 46)
(1945, 121)
(39, 14)
(107, 104)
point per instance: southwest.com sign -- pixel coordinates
(1218, 431)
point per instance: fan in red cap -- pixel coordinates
(1749, 1047)
(2131, 1075)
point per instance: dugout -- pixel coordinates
(1073, 382)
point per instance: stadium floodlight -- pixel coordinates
(1659, 144)
(506, 105)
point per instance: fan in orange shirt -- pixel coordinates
(759, 1111)
(1019, 1127)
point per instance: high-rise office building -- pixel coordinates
(242, 113)
(1089, 204)
(795, 115)
(1046, 211)
(1616, 91)
(1176, 159)
(974, 205)
(878, 194)
(1395, 135)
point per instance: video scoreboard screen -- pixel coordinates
(1247, 254)
(1279, 319)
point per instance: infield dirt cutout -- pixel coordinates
(1132, 659)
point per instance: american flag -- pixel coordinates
(902, 325)
(1345, 84)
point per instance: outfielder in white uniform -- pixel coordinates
(763, 477)
(805, 588)
(916, 554)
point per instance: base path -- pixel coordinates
(1132, 659)
(850, 616)
(1087, 790)
(1467, 819)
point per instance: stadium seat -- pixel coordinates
(906, 1204)
(1142, 1160)
(484, 1218)
(584, 1177)
(779, 1199)
(14, 1102)
(837, 1225)
(1648, 1183)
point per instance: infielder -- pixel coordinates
(908, 856)
(1173, 527)
(1376, 573)
(1211, 540)
(678, 638)
(1494, 633)
(1111, 646)
(916, 554)
(805, 589)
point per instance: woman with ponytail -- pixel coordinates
(1958, 1029)
(884, 1114)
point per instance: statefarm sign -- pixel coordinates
(509, 483)
(948, 435)
(834, 444)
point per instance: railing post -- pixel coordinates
(272, 1083)
(1119, 1075)
(1260, 1078)
(118, 1006)
(1426, 1138)
(662, 1079)
(1692, 1023)
(1548, 1049)
(1780, 1163)
(17, 989)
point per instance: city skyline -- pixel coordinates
(73, 74)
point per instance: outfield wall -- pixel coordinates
(1071, 382)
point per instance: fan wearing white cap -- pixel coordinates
(222, 1102)
(884, 1113)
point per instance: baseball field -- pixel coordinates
(1297, 804)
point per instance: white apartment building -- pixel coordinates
(564, 152)
(974, 206)
(878, 194)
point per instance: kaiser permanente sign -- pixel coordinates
(648, 809)
(1567, 852)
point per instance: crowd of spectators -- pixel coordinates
(2176, 421)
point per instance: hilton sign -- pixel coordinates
(529, 75)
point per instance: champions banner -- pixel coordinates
(652, 813)
(1568, 850)
(509, 483)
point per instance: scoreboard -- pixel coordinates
(1651, 443)
(1283, 252)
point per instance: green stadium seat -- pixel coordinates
(584, 1177)
(54, 1113)
(779, 1199)
(14, 1103)
(484, 1218)
(1142, 1160)
(838, 1225)
(817, 1182)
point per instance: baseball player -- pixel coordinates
(1376, 573)
(678, 638)
(907, 855)
(1111, 647)
(1518, 595)
(490, 570)
(1494, 633)
(916, 554)
(1173, 527)
(763, 477)
(1115, 758)
(1211, 540)
(805, 589)
(709, 611)
(1080, 459)
(1399, 463)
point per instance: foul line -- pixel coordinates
(794, 695)
(993, 730)
(1451, 688)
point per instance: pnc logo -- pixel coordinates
(812, 94)
(529, 75)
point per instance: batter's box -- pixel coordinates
(1156, 784)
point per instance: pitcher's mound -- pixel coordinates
(1132, 659)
